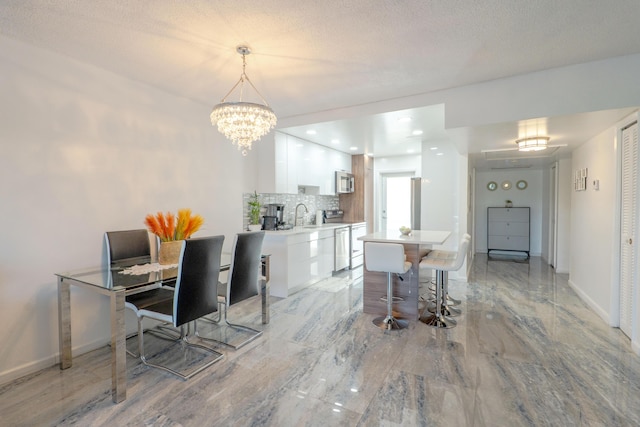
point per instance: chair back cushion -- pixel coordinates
(196, 291)
(387, 257)
(460, 256)
(123, 245)
(245, 267)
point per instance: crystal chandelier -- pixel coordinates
(535, 143)
(243, 122)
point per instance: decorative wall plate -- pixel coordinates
(506, 185)
(521, 185)
(492, 186)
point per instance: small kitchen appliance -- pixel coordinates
(276, 210)
(269, 222)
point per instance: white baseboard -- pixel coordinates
(46, 362)
(591, 303)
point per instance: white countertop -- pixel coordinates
(305, 229)
(417, 237)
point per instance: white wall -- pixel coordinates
(592, 222)
(445, 195)
(532, 197)
(595, 229)
(83, 151)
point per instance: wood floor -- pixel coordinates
(526, 352)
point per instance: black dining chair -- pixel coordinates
(194, 296)
(242, 283)
(130, 247)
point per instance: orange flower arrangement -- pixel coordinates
(168, 229)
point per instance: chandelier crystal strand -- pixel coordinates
(243, 122)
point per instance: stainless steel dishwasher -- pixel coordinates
(342, 254)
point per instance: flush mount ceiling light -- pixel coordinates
(534, 143)
(243, 122)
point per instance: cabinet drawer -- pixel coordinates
(508, 214)
(513, 243)
(508, 228)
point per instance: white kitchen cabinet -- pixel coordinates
(298, 258)
(508, 229)
(287, 162)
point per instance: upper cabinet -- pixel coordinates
(298, 163)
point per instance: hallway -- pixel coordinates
(526, 351)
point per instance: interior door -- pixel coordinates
(628, 212)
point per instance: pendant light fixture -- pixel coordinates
(243, 122)
(535, 143)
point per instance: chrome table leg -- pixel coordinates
(64, 323)
(118, 347)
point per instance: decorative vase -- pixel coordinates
(169, 252)
(255, 227)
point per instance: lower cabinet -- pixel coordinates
(508, 229)
(298, 259)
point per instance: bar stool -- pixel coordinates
(442, 266)
(449, 300)
(388, 258)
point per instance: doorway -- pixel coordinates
(395, 200)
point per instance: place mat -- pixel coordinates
(147, 268)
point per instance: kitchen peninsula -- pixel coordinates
(416, 245)
(300, 257)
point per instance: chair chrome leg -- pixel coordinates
(254, 333)
(449, 300)
(389, 322)
(437, 319)
(445, 309)
(183, 338)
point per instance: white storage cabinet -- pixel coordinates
(508, 229)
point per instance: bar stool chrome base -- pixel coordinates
(390, 323)
(446, 310)
(436, 321)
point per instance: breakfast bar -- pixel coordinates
(416, 245)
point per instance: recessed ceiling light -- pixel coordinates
(410, 151)
(335, 141)
(404, 119)
(440, 154)
(417, 132)
(433, 148)
(353, 148)
(311, 132)
(370, 154)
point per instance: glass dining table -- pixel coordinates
(116, 285)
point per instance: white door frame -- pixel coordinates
(614, 309)
(553, 216)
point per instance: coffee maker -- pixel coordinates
(274, 216)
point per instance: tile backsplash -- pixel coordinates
(312, 202)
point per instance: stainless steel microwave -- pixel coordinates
(344, 182)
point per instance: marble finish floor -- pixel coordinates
(526, 352)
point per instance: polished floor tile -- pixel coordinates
(526, 352)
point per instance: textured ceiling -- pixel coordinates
(310, 57)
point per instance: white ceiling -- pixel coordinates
(313, 57)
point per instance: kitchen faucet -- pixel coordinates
(295, 221)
